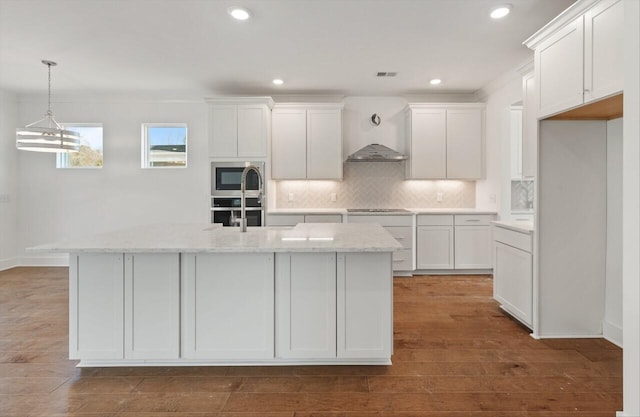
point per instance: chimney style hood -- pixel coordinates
(376, 153)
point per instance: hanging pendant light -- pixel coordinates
(46, 135)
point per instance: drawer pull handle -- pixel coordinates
(399, 238)
(398, 260)
(472, 220)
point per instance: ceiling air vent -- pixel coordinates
(387, 74)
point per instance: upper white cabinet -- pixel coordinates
(306, 141)
(239, 127)
(445, 141)
(581, 60)
(529, 148)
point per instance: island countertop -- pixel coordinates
(194, 238)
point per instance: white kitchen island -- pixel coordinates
(207, 295)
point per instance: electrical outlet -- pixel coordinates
(290, 196)
(5, 198)
(439, 197)
(333, 197)
(492, 198)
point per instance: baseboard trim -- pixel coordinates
(8, 263)
(453, 272)
(568, 336)
(612, 333)
(58, 260)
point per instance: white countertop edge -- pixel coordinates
(522, 227)
(215, 250)
(343, 211)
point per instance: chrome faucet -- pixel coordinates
(243, 190)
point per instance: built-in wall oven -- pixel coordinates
(225, 193)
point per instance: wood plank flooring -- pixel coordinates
(456, 355)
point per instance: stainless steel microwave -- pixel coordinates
(225, 178)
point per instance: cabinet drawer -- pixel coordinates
(403, 260)
(284, 220)
(435, 220)
(383, 220)
(509, 237)
(474, 219)
(404, 235)
(323, 218)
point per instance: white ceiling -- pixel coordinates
(194, 48)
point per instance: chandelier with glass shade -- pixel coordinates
(46, 135)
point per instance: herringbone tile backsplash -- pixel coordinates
(375, 185)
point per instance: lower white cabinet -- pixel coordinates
(401, 228)
(152, 306)
(306, 305)
(364, 305)
(229, 306)
(290, 220)
(473, 244)
(96, 306)
(473, 247)
(434, 241)
(513, 274)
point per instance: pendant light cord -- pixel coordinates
(49, 101)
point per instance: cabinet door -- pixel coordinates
(96, 301)
(559, 70)
(364, 310)
(222, 285)
(434, 247)
(428, 141)
(223, 137)
(306, 305)
(473, 247)
(152, 306)
(464, 143)
(516, 142)
(289, 144)
(603, 49)
(513, 281)
(529, 127)
(252, 131)
(324, 144)
(323, 218)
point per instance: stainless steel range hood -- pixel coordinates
(376, 153)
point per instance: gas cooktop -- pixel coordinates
(377, 210)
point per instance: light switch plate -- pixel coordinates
(5, 198)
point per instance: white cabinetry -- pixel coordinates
(473, 241)
(96, 306)
(239, 127)
(434, 243)
(290, 220)
(152, 306)
(364, 306)
(581, 61)
(529, 126)
(445, 141)
(513, 273)
(306, 141)
(515, 126)
(401, 228)
(306, 300)
(221, 286)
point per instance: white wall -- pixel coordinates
(631, 213)
(612, 323)
(58, 204)
(506, 91)
(8, 180)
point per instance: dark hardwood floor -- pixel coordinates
(456, 355)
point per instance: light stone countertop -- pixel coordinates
(194, 238)
(343, 211)
(522, 227)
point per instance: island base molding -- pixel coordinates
(275, 362)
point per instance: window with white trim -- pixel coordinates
(164, 145)
(90, 153)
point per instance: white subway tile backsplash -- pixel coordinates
(375, 185)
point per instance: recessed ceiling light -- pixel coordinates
(435, 81)
(500, 11)
(239, 13)
(278, 81)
